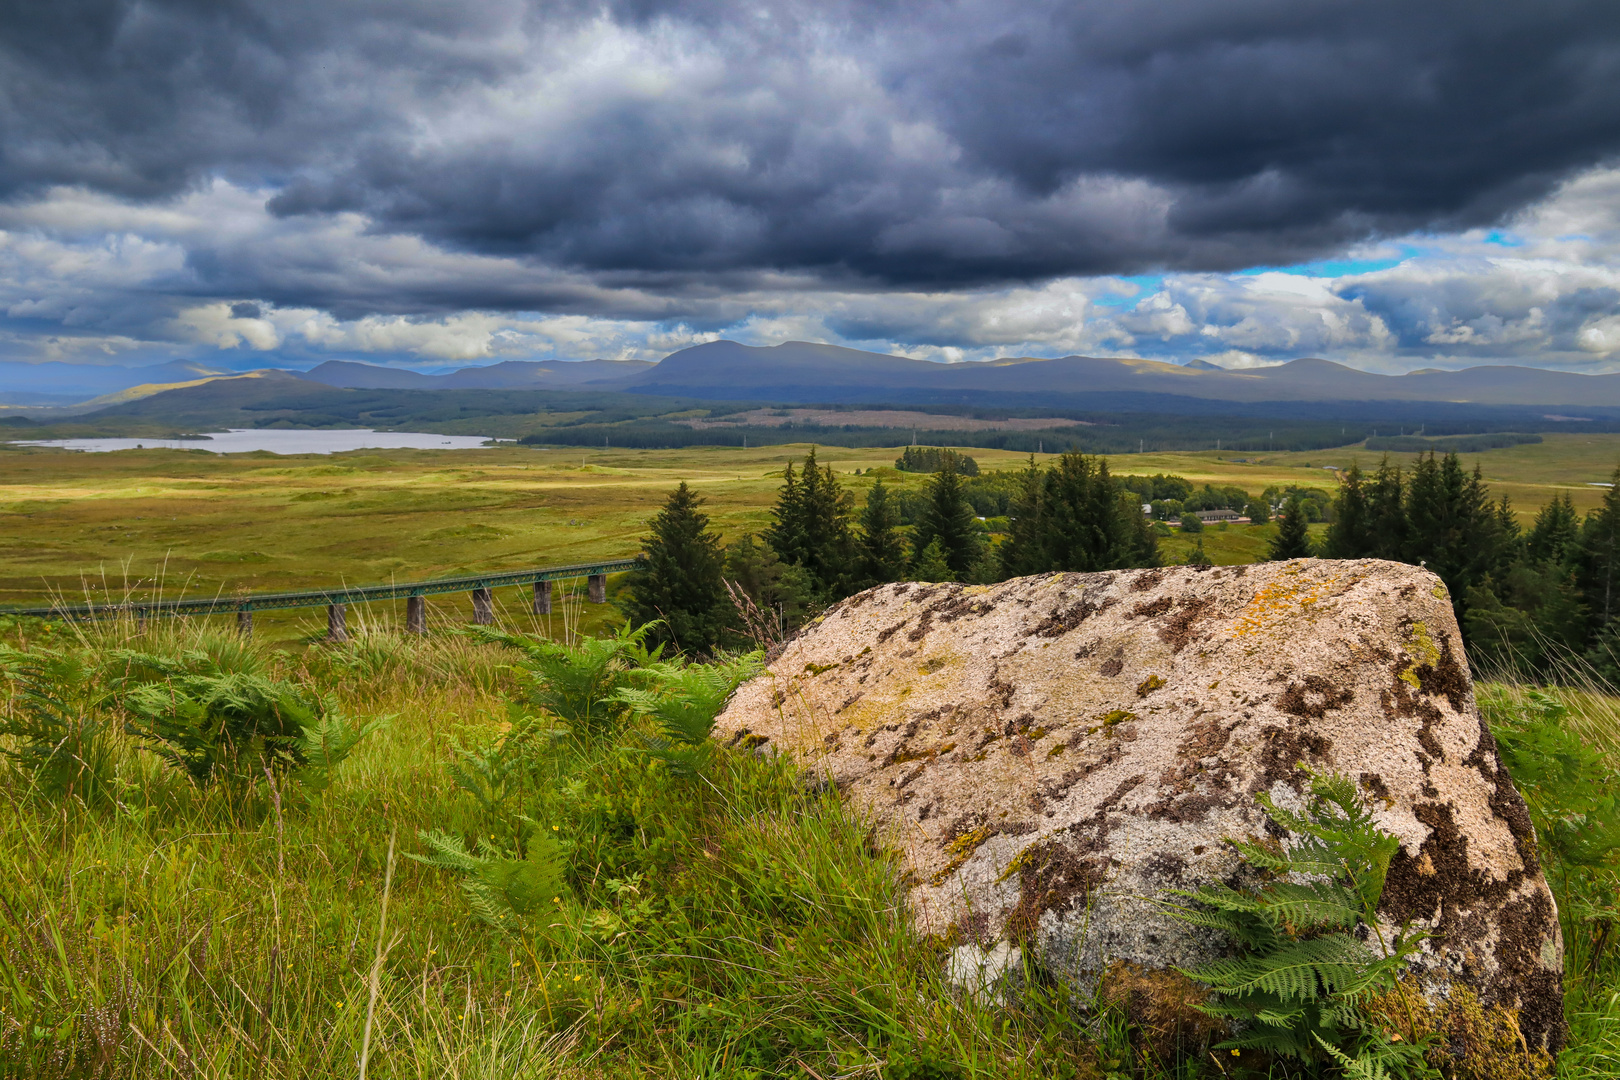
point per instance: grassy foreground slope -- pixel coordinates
(695, 913)
(729, 923)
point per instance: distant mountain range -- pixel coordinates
(800, 372)
(797, 371)
(56, 383)
(508, 375)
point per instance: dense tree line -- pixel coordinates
(818, 549)
(1528, 600)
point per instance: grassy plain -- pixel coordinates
(175, 932)
(198, 524)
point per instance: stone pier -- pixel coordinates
(244, 623)
(416, 614)
(337, 628)
(542, 598)
(596, 588)
(483, 607)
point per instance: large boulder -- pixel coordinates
(1053, 753)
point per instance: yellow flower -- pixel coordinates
(576, 978)
(1234, 1053)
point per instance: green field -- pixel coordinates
(728, 924)
(190, 523)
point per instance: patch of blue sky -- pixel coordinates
(1326, 267)
(1503, 239)
(1146, 285)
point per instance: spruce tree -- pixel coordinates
(1141, 541)
(780, 589)
(1092, 523)
(785, 533)
(1599, 556)
(678, 578)
(1386, 513)
(1349, 537)
(1023, 552)
(1555, 532)
(1453, 527)
(811, 527)
(882, 548)
(933, 564)
(947, 518)
(1292, 541)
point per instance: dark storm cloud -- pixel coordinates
(660, 148)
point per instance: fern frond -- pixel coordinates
(1315, 906)
(1309, 970)
(446, 852)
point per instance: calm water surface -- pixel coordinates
(282, 441)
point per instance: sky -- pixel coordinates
(247, 183)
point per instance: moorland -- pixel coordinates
(199, 524)
(470, 872)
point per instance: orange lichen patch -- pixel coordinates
(1279, 600)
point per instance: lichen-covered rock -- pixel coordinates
(1053, 753)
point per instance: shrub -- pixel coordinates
(59, 747)
(682, 703)
(223, 725)
(578, 685)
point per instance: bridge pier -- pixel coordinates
(542, 598)
(244, 623)
(337, 629)
(596, 588)
(416, 614)
(483, 607)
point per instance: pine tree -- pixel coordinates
(1599, 556)
(1196, 556)
(1555, 533)
(1023, 551)
(677, 580)
(1349, 536)
(947, 518)
(1386, 513)
(882, 548)
(1088, 526)
(1453, 527)
(812, 527)
(1292, 541)
(932, 563)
